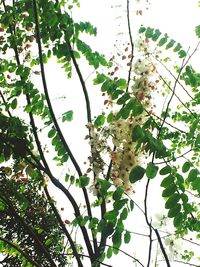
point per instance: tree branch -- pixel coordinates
(162, 247)
(75, 253)
(20, 251)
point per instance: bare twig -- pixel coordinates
(132, 44)
(169, 87)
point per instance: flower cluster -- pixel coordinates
(123, 158)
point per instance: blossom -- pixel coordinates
(174, 246)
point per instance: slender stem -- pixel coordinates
(20, 250)
(89, 120)
(132, 44)
(172, 95)
(87, 100)
(75, 253)
(181, 156)
(148, 223)
(162, 248)
(169, 87)
(127, 254)
(174, 77)
(161, 119)
(187, 263)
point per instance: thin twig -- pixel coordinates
(125, 253)
(181, 156)
(174, 77)
(75, 253)
(132, 44)
(169, 87)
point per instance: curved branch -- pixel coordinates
(47, 94)
(75, 253)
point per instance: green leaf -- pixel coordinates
(124, 214)
(111, 215)
(76, 54)
(162, 41)
(174, 211)
(182, 53)
(167, 181)
(51, 133)
(110, 117)
(197, 31)
(137, 108)
(186, 166)
(104, 186)
(127, 237)
(177, 48)
(48, 242)
(118, 205)
(178, 219)
(151, 170)
(137, 133)
(132, 204)
(118, 193)
(2, 206)
(84, 181)
(122, 100)
(67, 116)
(149, 32)
(99, 121)
(172, 201)
(192, 175)
(169, 190)
(170, 44)
(14, 103)
(165, 170)
(121, 83)
(136, 174)
(196, 184)
(117, 238)
(100, 78)
(109, 252)
(156, 35)
(142, 29)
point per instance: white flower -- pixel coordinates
(93, 190)
(174, 246)
(159, 220)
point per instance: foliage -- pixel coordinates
(131, 141)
